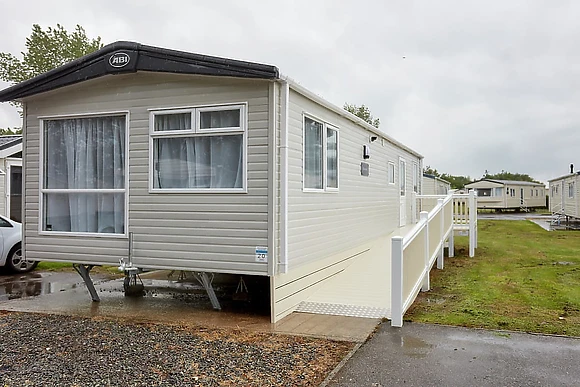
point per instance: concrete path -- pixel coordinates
(430, 355)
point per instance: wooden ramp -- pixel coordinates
(362, 289)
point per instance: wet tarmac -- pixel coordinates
(431, 355)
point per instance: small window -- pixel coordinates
(171, 122)
(227, 118)
(571, 190)
(391, 171)
(556, 189)
(537, 194)
(321, 158)
(4, 223)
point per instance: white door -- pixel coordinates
(14, 190)
(402, 192)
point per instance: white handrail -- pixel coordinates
(408, 278)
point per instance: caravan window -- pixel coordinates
(571, 190)
(83, 188)
(391, 172)
(198, 149)
(484, 192)
(498, 191)
(321, 158)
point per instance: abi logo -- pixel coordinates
(119, 59)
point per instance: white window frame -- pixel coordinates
(391, 164)
(403, 188)
(42, 190)
(325, 127)
(571, 189)
(415, 177)
(196, 131)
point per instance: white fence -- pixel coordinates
(414, 255)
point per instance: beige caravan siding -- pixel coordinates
(213, 232)
(566, 200)
(328, 230)
(429, 187)
(321, 224)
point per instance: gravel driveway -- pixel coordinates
(39, 349)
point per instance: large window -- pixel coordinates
(483, 192)
(198, 149)
(320, 156)
(83, 189)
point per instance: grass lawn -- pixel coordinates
(522, 278)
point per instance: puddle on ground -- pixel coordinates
(32, 284)
(414, 347)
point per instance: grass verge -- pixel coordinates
(522, 278)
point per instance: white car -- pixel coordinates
(11, 247)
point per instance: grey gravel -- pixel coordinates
(55, 350)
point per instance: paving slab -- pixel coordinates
(433, 355)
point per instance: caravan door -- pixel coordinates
(402, 192)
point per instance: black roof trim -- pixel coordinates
(126, 57)
(17, 140)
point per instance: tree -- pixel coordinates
(10, 132)
(46, 50)
(504, 175)
(362, 112)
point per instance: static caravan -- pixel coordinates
(160, 159)
(11, 176)
(564, 194)
(508, 194)
(433, 185)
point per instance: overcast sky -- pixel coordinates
(471, 85)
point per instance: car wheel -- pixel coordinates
(17, 263)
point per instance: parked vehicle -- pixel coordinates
(11, 247)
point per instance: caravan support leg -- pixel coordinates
(84, 271)
(205, 281)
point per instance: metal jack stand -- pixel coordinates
(83, 271)
(206, 282)
(132, 284)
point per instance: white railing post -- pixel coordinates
(423, 216)
(397, 281)
(472, 218)
(441, 235)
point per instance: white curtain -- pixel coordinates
(312, 154)
(85, 153)
(211, 161)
